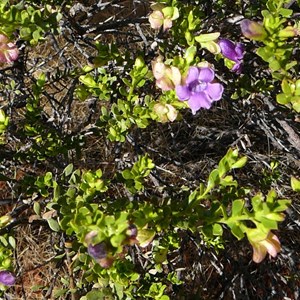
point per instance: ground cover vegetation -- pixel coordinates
(149, 150)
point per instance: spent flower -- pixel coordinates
(253, 30)
(100, 254)
(165, 112)
(199, 89)
(7, 278)
(162, 16)
(8, 50)
(234, 52)
(261, 247)
(167, 77)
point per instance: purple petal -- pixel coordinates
(215, 91)
(237, 68)
(182, 91)
(199, 100)
(228, 49)
(98, 251)
(239, 49)
(193, 75)
(206, 75)
(7, 278)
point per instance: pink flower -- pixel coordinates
(261, 247)
(8, 51)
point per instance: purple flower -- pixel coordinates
(98, 251)
(7, 278)
(234, 52)
(199, 89)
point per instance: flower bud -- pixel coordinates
(253, 30)
(288, 31)
(7, 278)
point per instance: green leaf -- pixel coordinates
(271, 197)
(240, 163)
(88, 80)
(213, 180)
(190, 54)
(295, 184)
(68, 170)
(53, 224)
(217, 229)
(127, 174)
(207, 37)
(211, 46)
(285, 12)
(285, 86)
(12, 241)
(237, 207)
(283, 98)
(37, 208)
(236, 230)
(145, 237)
(268, 223)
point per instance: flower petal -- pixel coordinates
(165, 84)
(228, 49)
(239, 49)
(199, 100)
(215, 91)
(259, 253)
(7, 278)
(183, 93)
(156, 19)
(193, 75)
(237, 68)
(12, 54)
(206, 75)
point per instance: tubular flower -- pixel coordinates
(234, 52)
(270, 244)
(167, 77)
(8, 51)
(7, 278)
(253, 30)
(199, 89)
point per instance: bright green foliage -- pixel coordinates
(32, 22)
(278, 49)
(4, 120)
(134, 177)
